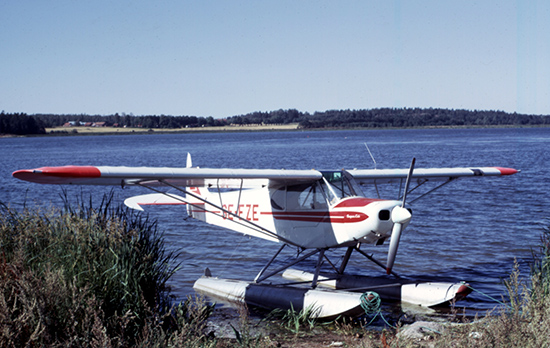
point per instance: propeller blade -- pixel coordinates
(394, 244)
(400, 216)
(408, 182)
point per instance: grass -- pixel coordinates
(98, 277)
(296, 321)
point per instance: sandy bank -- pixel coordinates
(115, 130)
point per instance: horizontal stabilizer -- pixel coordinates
(153, 199)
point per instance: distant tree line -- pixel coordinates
(20, 124)
(418, 117)
(367, 118)
(125, 120)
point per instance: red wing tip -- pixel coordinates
(56, 175)
(507, 171)
(21, 171)
(388, 271)
(22, 174)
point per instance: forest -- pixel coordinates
(20, 124)
(23, 124)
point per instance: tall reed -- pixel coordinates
(82, 275)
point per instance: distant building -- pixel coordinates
(73, 124)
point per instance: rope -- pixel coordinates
(370, 302)
(223, 266)
(484, 294)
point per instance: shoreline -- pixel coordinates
(83, 131)
(75, 131)
(244, 128)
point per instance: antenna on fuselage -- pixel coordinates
(371, 156)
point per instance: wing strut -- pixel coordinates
(451, 179)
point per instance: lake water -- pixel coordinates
(470, 230)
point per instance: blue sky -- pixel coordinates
(225, 58)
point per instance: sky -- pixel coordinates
(226, 58)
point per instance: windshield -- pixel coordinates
(338, 185)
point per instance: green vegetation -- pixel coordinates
(418, 117)
(296, 321)
(371, 118)
(367, 118)
(20, 124)
(89, 277)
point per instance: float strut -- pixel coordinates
(268, 264)
(375, 261)
(318, 268)
(346, 258)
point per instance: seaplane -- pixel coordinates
(311, 210)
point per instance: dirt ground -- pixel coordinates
(272, 334)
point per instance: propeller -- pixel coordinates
(400, 216)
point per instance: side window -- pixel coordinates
(278, 199)
(304, 197)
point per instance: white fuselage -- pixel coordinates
(301, 217)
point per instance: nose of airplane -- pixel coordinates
(400, 215)
(387, 214)
(381, 217)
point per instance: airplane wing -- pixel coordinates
(385, 176)
(190, 177)
(150, 176)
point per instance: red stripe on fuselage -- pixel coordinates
(179, 203)
(332, 217)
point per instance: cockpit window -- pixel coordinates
(340, 184)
